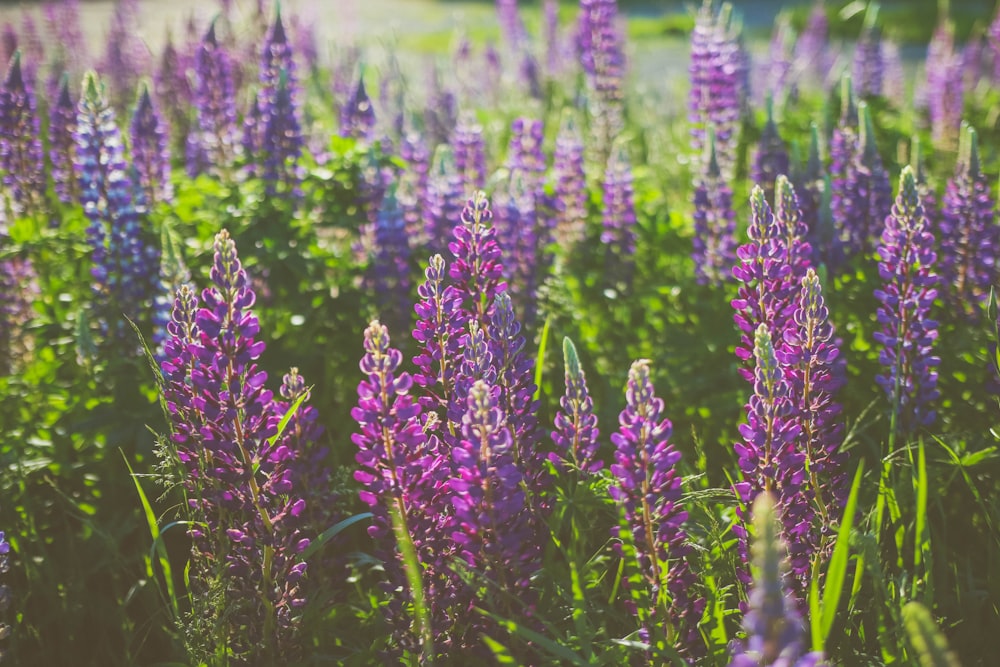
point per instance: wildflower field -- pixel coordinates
(310, 356)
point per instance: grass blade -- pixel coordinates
(540, 359)
(836, 572)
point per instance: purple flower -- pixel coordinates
(812, 57)
(212, 146)
(511, 25)
(600, 45)
(780, 82)
(714, 242)
(945, 86)
(813, 188)
(575, 435)
(868, 69)
(357, 116)
(618, 215)
(241, 479)
(775, 631)
(126, 58)
(62, 146)
(869, 193)
(970, 234)
(477, 271)
(771, 159)
(174, 90)
(18, 291)
(20, 141)
(5, 594)
(570, 201)
(282, 139)
(909, 286)
(441, 111)
(391, 267)
(445, 194)
(402, 480)
(125, 263)
(469, 150)
(150, 152)
(524, 237)
(438, 330)
(647, 486)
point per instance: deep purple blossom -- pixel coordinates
(575, 435)
(469, 149)
(774, 627)
(18, 292)
(212, 146)
(20, 141)
(714, 242)
(150, 150)
(970, 233)
(618, 218)
(391, 266)
(414, 183)
(125, 262)
(445, 195)
(282, 140)
(811, 56)
(868, 67)
(477, 271)
(909, 286)
(864, 195)
(126, 58)
(813, 187)
(601, 49)
(241, 479)
(62, 145)
(771, 158)
(438, 330)
(357, 115)
(570, 200)
(524, 237)
(647, 487)
(945, 86)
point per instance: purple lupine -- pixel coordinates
(811, 56)
(771, 158)
(150, 150)
(868, 182)
(767, 455)
(525, 152)
(438, 330)
(276, 60)
(491, 519)
(5, 594)
(126, 58)
(125, 264)
(445, 194)
(647, 486)
(20, 141)
(570, 200)
(601, 49)
(282, 140)
(909, 286)
(523, 238)
(618, 218)
(213, 145)
(391, 266)
(714, 242)
(357, 116)
(945, 86)
(33, 48)
(171, 85)
(780, 82)
(868, 67)
(775, 631)
(550, 32)
(239, 476)
(766, 294)
(62, 145)
(894, 74)
(441, 110)
(717, 90)
(18, 291)
(844, 207)
(469, 149)
(477, 271)
(810, 356)
(511, 24)
(788, 218)
(575, 434)
(970, 233)
(400, 475)
(813, 189)
(65, 37)
(8, 41)
(414, 184)
(253, 134)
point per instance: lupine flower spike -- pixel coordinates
(771, 159)
(714, 242)
(575, 434)
(20, 141)
(150, 150)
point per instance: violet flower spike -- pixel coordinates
(619, 218)
(771, 158)
(20, 141)
(570, 200)
(62, 146)
(445, 196)
(575, 435)
(438, 330)
(469, 149)
(150, 150)
(357, 116)
(477, 271)
(714, 242)
(909, 287)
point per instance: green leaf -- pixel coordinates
(928, 643)
(332, 532)
(500, 652)
(292, 409)
(836, 572)
(540, 359)
(540, 640)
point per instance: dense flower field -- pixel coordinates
(310, 357)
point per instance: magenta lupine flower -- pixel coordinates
(401, 479)
(477, 271)
(469, 149)
(647, 486)
(775, 631)
(811, 56)
(125, 263)
(575, 435)
(150, 150)
(717, 85)
(970, 233)
(771, 158)
(768, 455)
(445, 194)
(618, 217)
(241, 485)
(766, 296)
(475, 363)
(390, 270)
(714, 242)
(868, 67)
(570, 200)
(814, 370)
(126, 58)
(438, 330)
(491, 520)
(909, 286)
(20, 141)
(357, 116)
(600, 45)
(213, 145)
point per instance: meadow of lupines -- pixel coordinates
(309, 359)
